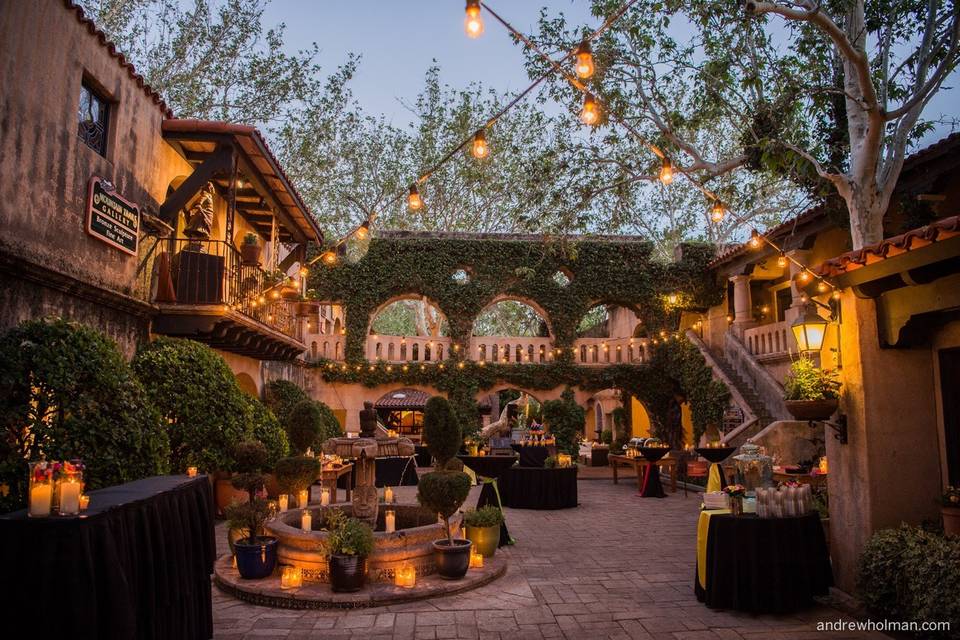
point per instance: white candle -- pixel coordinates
(303, 498)
(40, 498)
(388, 495)
(306, 521)
(390, 519)
(69, 498)
(324, 496)
(284, 502)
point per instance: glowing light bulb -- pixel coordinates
(717, 211)
(304, 272)
(584, 61)
(672, 298)
(666, 172)
(822, 287)
(782, 260)
(363, 230)
(836, 294)
(414, 202)
(473, 23)
(804, 276)
(754, 239)
(590, 114)
(329, 257)
(480, 149)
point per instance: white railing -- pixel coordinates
(514, 350)
(407, 348)
(774, 339)
(604, 351)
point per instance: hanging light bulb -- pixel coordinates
(363, 230)
(480, 149)
(666, 172)
(782, 260)
(473, 23)
(590, 114)
(754, 239)
(329, 257)
(414, 202)
(717, 211)
(836, 294)
(804, 276)
(821, 287)
(584, 60)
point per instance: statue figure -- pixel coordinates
(368, 421)
(200, 218)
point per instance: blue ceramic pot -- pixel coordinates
(256, 561)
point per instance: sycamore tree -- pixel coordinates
(828, 94)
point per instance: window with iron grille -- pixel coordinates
(93, 119)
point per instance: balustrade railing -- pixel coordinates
(407, 348)
(774, 339)
(605, 351)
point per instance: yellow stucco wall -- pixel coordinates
(640, 421)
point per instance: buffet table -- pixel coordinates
(488, 470)
(532, 455)
(532, 488)
(761, 565)
(135, 564)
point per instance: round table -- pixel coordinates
(532, 488)
(532, 455)
(715, 455)
(488, 470)
(764, 565)
(651, 487)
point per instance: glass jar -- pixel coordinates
(40, 500)
(753, 469)
(69, 489)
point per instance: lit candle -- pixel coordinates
(303, 498)
(388, 495)
(284, 501)
(476, 560)
(84, 502)
(390, 518)
(69, 497)
(192, 472)
(324, 496)
(306, 521)
(41, 495)
(291, 578)
(823, 465)
(406, 577)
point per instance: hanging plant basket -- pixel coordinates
(250, 255)
(812, 409)
(289, 292)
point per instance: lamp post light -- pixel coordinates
(809, 331)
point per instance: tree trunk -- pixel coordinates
(866, 211)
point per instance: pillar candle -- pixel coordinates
(69, 497)
(388, 495)
(324, 496)
(284, 501)
(390, 519)
(84, 502)
(192, 472)
(40, 499)
(303, 498)
(306, 521)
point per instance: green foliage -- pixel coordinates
(281, 396)
(250, 456)
(565, 419)
(348, 536)
(550, 462)
(606, 436)
(487, 516)
(66, 392)
(249, 517)
(303, 426)
(197, 394)
(296, 473)
(250, 238)
(441, 430)
(807, 381)
(911, 574)
(266, 429)
(443, 492)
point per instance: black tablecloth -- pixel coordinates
(136, 564)
(530, 488)
(651, 487)
(765, 565)
(531, 455)
(394, 471)
(488, 466)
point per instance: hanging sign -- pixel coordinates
(111, 217)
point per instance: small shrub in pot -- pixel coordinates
(256, 554)
(349, 544)
(483, 528)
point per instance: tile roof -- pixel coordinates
(891, 247)
(403, 399)
(120, 58)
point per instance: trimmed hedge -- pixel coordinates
(565, 419)
(281, 396)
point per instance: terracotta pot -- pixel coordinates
(951, 520)
(306, 309)
(226, 494)
(289, 292)
(812, 409)
(452, 561)
(250, 255)
(485, 539)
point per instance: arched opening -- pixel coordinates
(595, 323)
(410, 316)
(401, 410)
(511, 318)
(337, 327)
(247, 385)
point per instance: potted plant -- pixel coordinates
(950, 510)
(250, 250)
(250, 457)
(483, 528)
(294, 474)
(348, 545)
(256, 554)
(289, 289)
(444, 490)
(810, 392)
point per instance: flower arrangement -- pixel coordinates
(735, 490)
(951, 497)
(807, 381)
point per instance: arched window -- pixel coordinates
(510, 318)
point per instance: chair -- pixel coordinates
(695, 469)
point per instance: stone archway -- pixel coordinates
(532, 304)
(247, 384)
(442, 316)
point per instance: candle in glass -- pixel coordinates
(291, 578)
(406, 577)
(41, 490)
(388, 495)
(306, 521)
(84, 502)
(476, 560)
(303, 498)
(324, 496)
(70, 496)
(192, 472)
(390, 520)
(283, 500)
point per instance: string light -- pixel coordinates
(836, 294)
(822, 286)
(584, 61)
(754, 239)
(480, 149)
(666, 172)
(590, 114)
(804, 276)
(363, 230)
(717, 211)
(782, 260)
(329, 257)
(473, 23)
(414, 202)
(304, 271)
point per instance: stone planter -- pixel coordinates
(951, 520)
(485, 540)
(812, 409)
(452, 561)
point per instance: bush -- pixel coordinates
(606, 436)
(807, 381)
(281, 396)
(911, 574)
(198, 395)
(443, 492)
(550, 462)
(488, 516)
(441, 430)
(249, 517)
(250, 457)
(266, 429)
(296, 473)
(66, 391)
(348, 536)
(565, 419)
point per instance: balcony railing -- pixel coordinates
(769, 340)
(604, 351)
(210, 272)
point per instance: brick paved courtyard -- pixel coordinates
(616, 567)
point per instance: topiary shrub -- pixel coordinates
(281, 396)
(296, 473)
(66, 392)
(198, 395)
(441, 430)
(486, 516)
(443, 492)
(303, 426)
(911, 574)
(266, 429)
(250, 457)
(565, 419)
(606, 436)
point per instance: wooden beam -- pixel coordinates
(295, 255)
(219, 162)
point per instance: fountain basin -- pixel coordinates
(410, 545)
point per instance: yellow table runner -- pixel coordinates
(713, 480)
(703, 528)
